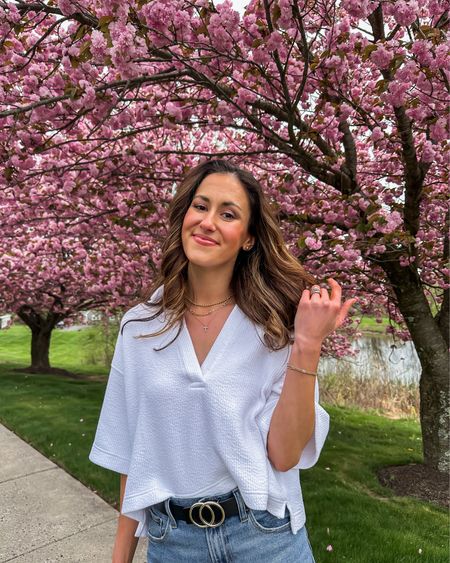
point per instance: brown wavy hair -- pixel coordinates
(267, 280)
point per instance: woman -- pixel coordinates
(212, 404)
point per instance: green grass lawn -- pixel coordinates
(370, 326)
(79, 351)
(345, 506)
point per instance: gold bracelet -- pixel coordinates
(301, 370)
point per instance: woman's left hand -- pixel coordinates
(319, 315)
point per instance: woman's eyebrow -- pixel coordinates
(224, 204)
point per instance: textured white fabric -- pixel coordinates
(180, 429)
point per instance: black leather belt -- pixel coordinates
(204, 514)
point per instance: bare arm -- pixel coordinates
(126, 543)
(293, 419)
(292, 423)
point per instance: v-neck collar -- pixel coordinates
(219, 346)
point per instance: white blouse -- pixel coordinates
(179, 429)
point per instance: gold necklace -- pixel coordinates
(208, 313)
(212, 304)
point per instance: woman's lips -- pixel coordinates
(203, 241)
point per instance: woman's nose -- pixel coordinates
(208, 222)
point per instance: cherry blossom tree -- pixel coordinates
(52, 266)
(51, 277)
(339, 106)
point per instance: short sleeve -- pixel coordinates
(112, 445)
(312, 449)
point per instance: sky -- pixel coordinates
(239, 5)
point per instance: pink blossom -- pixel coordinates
(356, 91)
(17, 59)
(439, 130)
(286, 13)
(333, 61)
(67, 7)
(442, 55)
(260, 56)
(405, 12)
(363, 203)
(68, 185)
(312, 243)
(405, 261)
(422, 50)
(381, 57)
(13, 14)
(389, 222)
(345, 111)
(174, 110)
(224, 26)
(358, 9)
(274, 41)
(377, 134)
(428, 152)
(245, 96)
(396, 94)
(98, 43)
(330, 217)
(344, 25)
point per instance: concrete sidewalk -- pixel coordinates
(48, 516)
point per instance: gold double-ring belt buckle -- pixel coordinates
(212, 523)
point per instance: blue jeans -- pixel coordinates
(251, 535)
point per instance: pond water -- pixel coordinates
(378, 356)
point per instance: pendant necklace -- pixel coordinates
(205, 327)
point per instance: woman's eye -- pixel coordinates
(227, 214)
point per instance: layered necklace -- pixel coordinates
(213, 308)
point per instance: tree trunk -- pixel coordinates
(434, 420)
(40, 349)
(41, 332)
(431, 343)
